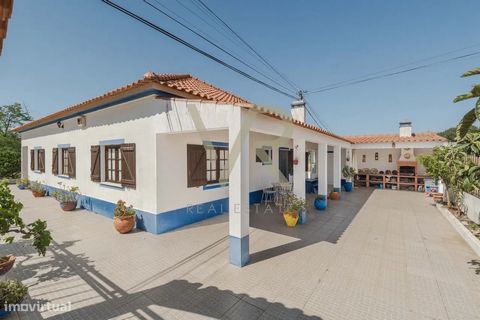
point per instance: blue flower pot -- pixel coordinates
(342, 182)
(21, 187)
(302, 217)
(348, 186)
(320, 204)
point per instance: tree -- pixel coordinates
(11, 223)
(451, 133)
(469, 118)
(11, 116)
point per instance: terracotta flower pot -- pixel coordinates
(6, 263)
(68, 205)
(124, 224)
(38, 194)
(334, 195)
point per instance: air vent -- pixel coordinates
(82, 121)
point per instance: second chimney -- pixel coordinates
(405, 129)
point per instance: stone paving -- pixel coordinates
(372, 255)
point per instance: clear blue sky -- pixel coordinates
(58, 53)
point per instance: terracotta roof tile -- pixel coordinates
(6, 8)
(181, 83)
(379, 138)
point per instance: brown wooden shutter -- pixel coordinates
(196, 165)
(127, 152)
(41, 160)
(32, 160)
(95, 163)
(306, 160)
(55, 161)
(71, 162)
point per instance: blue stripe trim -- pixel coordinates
(163, 221)
(106, 105)
(215, 144)
(111, 142)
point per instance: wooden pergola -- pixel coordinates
(6, 7)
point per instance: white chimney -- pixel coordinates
(298, 110)
(405, 129)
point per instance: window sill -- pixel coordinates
(112, 185)
(62, 176)
(215, 185)
(37, 171)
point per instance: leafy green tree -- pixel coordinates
(11, 223)
(12, 116)
(451, 133)
(469, 118)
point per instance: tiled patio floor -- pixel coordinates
(372, 255)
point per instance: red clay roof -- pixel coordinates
(184, 85)
(379, 138)
(6, 8)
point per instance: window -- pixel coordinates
(206, 165)
(217, 165)
(390, 158)
(37, 160)
(264, 155)
(376, 155)
(113, 164)
(364, 158)
(65, 161)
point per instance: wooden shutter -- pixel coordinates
(32, 160)
(196, 165)
(95, 163)
(55, 161)
(128, 159)
(307, 155)
(71, 162)
(41, 160)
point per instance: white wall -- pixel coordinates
(133, 122)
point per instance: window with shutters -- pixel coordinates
(65, 161)
(37, 160)
(113, 164)
(206, 165)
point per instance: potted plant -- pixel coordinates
(124, 217)
(12, 292)
(37, 189)
(68, 197)
(22, 184)
(6, 263)
(300, 206)
(320, 202)
(290, 215)
(349, 173)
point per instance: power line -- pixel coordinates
(394, 73)
(249, 46)
(191, 46)
(398, 67)
(315, 115)
(213, 44)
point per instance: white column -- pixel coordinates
(322, 168)
(239, 211)
(299, 168)
(337, 168)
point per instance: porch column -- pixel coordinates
(239, 211)
(348, 157)
(337, 168)
(322, 169)
(299, 168)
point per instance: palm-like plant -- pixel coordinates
(469, 118)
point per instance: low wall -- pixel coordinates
(471, 206)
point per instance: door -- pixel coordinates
(24, 160)
(285, 163)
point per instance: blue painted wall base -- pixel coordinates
(337, 189)
(163, 221)
(239, 250)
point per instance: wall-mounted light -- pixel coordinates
(60, 124)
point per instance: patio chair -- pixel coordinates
(268, 195)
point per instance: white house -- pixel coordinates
(181, 150)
